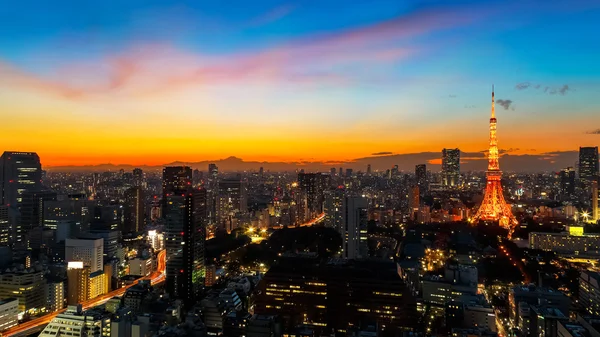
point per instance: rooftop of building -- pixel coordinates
(577, 330)
(521, 289)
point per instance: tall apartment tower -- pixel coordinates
(314, 184)
(450, 167)
(595, 201)
(421, 178)
(175, 178)
(185, 231)
(588, 165)
(567, 183)
(134, 209)
(232, 199)
(333, 208)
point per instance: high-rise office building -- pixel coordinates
(32, 215)
(134, 210)
(348, 216)
(69, 217)
(595, 201)
(7, 220)
(395, 171)
(414, 202)
(88, 251)
(175, 178)
(588, 165)
(185, 231)
(421, 178)
(450, 167)
(212, 190)
(138, 177)
(314, 184)
(349, 173)
(333, 208)
(567, 183)
(354, 231)
(232, 199)
(19, 172)
(369, 169)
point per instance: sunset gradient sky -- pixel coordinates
(151, 82)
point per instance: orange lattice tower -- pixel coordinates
(494, 207)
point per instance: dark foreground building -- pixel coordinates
(337, 295)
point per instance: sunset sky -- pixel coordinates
(151, 82)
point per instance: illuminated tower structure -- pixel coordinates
(494, 207)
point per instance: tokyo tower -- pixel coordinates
(494, 207)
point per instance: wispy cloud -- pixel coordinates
(505, 103)
(159, 68)
(562, 90)
(385, 153)
(594, 132)
(273, 15)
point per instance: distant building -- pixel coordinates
(414, 202)
(348, 216)
(232, 199)
(567, 183)
(595, 201)
(588, 165)
(211, 275)
(334, 208)
(573, 243)
(134, 210)
(314, 185)
(354, 230)
(450, 167)
(421, 178)
(32, 216)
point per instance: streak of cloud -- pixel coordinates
(159, 68)
(505, 103)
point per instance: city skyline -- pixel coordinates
(157, 84)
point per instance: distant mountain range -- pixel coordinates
(470, 161)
